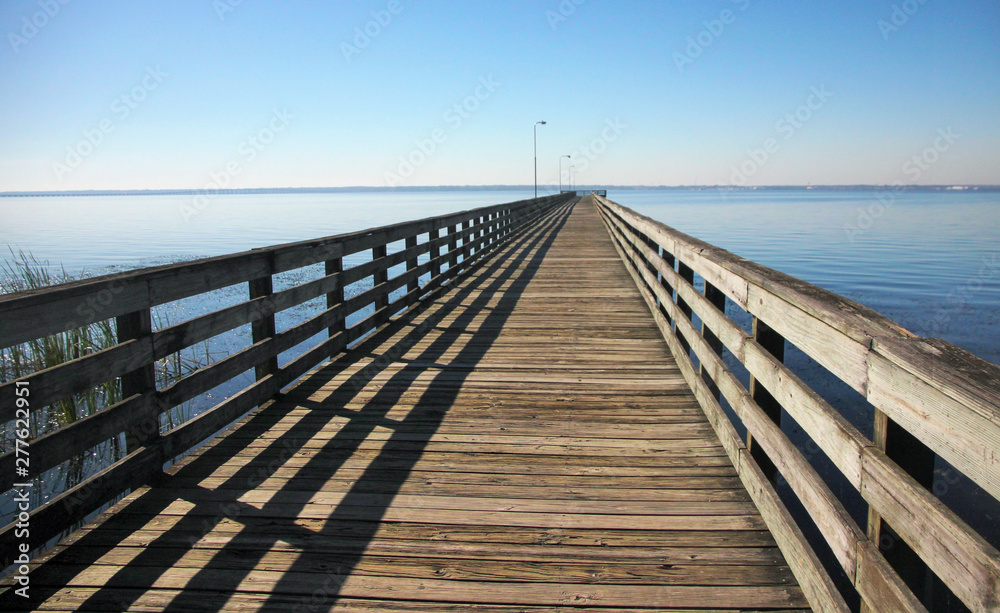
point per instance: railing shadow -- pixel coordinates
(179, 513)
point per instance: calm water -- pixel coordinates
(95, 233)
(930, 261)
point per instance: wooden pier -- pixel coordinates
(517, 425)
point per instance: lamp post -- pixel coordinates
(535, 129)
(560, 170)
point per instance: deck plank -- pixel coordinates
(523, 442)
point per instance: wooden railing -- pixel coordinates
(451, 244)
(925, 392)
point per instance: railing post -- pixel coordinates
(718, 300)
(467, 241)
(453, 245)
(263, 328)
(380, 277)
(645, 240)
(336, 297)
(918, 461)
(686, 273)
(631, 247)
(411, 264)
(773, 343)
(434, 235)
(671, 261)
(135, 326)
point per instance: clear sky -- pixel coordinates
(253, 93)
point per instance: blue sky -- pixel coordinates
(191, 93)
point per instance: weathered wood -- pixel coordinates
(336, 267)
(666, 280)
(132, 358)
(25, 316)
(263, 328)
(81, 436)
(180, 336)
(880, 587)
(944, 397)
(516, 439)
(53, 384)
(840, 440)
(75, 504)
(142, 381)
(718, 300)
(732, 274)
(968, 565)
(809, 571)
(209, 377)
(846, 339)
(713, 410)
(523, 370)
(828, 513)
(873, 529)
(685, 273)
(435, 253)
(774, 344)
(838, 528)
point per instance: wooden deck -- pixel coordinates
(524, 442)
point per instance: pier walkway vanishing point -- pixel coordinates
(523, 432)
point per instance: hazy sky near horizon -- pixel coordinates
(248, 93)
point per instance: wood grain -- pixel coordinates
(523, 441)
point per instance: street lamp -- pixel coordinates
(535, 129)
(560, 170)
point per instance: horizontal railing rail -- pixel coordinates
(922, 390)
(451, 244)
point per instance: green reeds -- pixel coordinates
(23, 272)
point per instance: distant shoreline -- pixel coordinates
(464, 188)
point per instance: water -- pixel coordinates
(930, 261)
(105, 234)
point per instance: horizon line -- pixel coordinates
(499, 187)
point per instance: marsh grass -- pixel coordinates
(23, 272)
